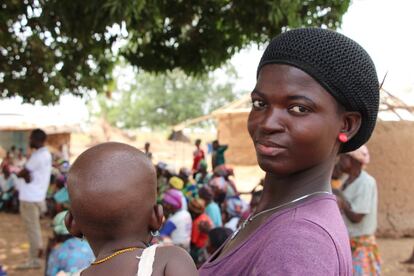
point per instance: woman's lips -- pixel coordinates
(269, 150)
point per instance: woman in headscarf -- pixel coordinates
(66, 253)
(358, 204)
(177, 228)
(317, 95)
(199, 231)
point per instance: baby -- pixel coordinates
(112, 189)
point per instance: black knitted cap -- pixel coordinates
(338, 64)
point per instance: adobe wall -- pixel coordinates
(55, 141)
(232, 130)
(392, 164)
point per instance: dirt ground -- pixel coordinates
(14, 248)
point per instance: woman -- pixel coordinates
(66, 253)
(358, 203)
(177, 228)
(316, 95)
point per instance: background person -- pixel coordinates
(198, 155)
(217, 156)
(147, 151)
(66, 253)
(32, 194)
(177, 227)
(359, 203)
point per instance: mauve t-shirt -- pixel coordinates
(308, 239)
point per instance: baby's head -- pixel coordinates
(216, 237)
(112, 189)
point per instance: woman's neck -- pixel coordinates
(281, 189)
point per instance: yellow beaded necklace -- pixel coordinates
(120, 251)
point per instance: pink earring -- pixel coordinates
(342, 138)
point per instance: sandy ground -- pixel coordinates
(14, 248)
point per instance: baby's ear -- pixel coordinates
(71, 225)
(157, 218)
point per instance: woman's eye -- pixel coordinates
(299, 109)
(258, 104)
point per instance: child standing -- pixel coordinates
(112, 188)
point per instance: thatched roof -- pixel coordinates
(20, 122)
(15, 116)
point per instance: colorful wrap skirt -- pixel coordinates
(366, 260)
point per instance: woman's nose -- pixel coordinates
(273, 121)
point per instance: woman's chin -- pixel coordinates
(269, 165)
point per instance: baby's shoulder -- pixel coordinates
(173, 260)
(170, 252)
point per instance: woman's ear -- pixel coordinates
(71, 225)
(351, 123)
(157, 218)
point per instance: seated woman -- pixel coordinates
(177, 228)
(317, 95)
(234, 209)
(8, 195)
(66, 253)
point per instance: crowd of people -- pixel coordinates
(202, 205)
(34, 185)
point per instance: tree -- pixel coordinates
(159, 100)
(50, 47)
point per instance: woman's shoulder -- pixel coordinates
(301, 245)
(299, 229)
(307, 225)
(317, 214)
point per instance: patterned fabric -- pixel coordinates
(365, 256)
(190, 191)
(71, 256)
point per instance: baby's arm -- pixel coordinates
(179, 262)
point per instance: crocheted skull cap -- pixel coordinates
(338, 64)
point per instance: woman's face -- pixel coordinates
(294, 122)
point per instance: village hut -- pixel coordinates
(15, 129)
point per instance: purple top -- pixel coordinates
(308, 239)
